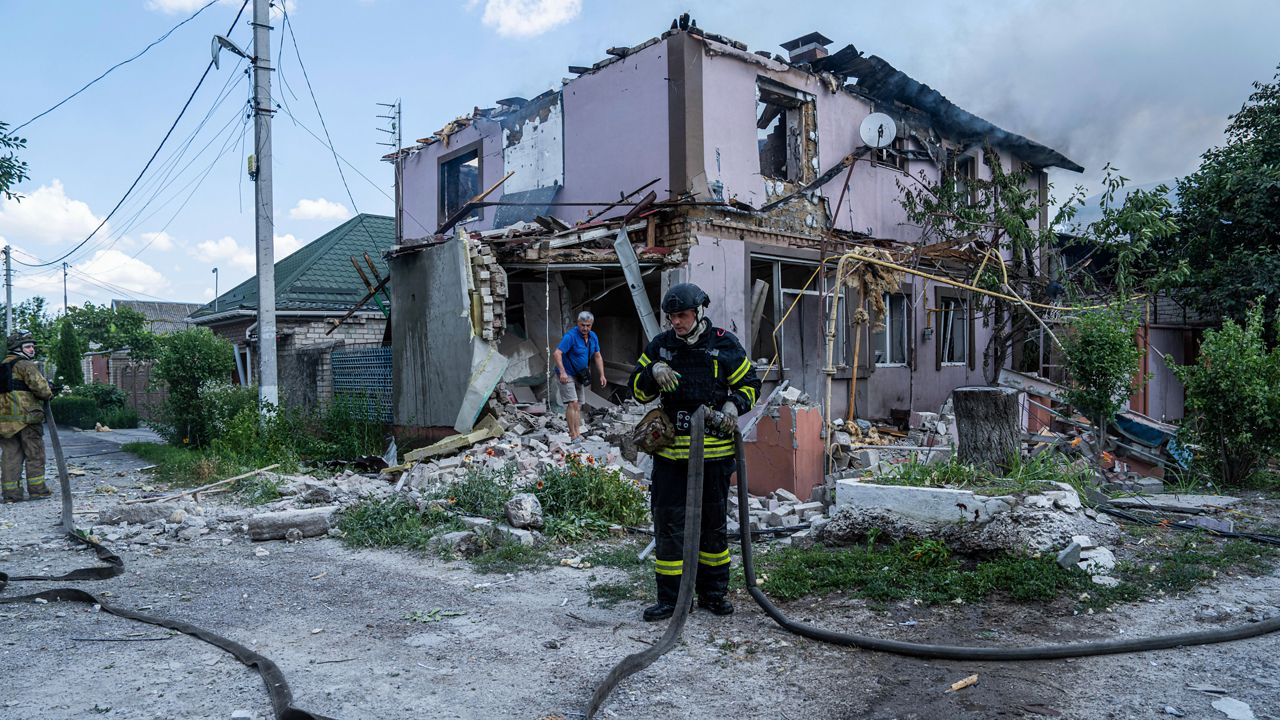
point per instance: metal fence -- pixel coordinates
(362, 376)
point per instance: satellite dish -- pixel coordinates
(878, 130)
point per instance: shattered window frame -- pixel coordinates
(891, 345)
(962, 169)
(954, 310)
(782, 108)
(453, 192)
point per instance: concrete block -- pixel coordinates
(1069, 556)
(786, 495)
(803, 509)
(931, 505)
(866, 458)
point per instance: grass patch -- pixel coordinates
(637, 585)
(926, 571)
(1023, 475)
(921, 570)
(392, 522)
(184, 467)
(1180, 562)
(510, 557)
(481, 493)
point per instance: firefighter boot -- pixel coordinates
(715, 604)
(668, 591)
(37, 489)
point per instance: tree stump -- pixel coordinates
(988, 425)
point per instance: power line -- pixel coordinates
(150, 160)
(109, 70)
(294, 39)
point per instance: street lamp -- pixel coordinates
(215, 289)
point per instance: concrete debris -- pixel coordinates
(1234, 709)
(311, 522)
(524, 511)
(464, 543)
(1069, 556)
(1097, 561)
(1191, 504)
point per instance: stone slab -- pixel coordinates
(931, 505)
(1194, 504)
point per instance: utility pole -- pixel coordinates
(215, 289)
(268, 387)
(64, 289)
(8, 291)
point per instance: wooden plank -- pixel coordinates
(202, 488)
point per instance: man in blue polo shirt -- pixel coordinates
(577, 349)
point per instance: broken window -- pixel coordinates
(783, 132)
(459, 182)
(894, 156)
(954, 338)
(890, 343)
(963, 170)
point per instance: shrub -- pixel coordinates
(104, 395)
(583, 499)
(75, 411)
(1233, 400)
(119, 418)
(187, 360)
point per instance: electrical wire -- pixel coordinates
(145, 167)
(109, 70)
(288, 26)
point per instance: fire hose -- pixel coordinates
(693, 497)
(277, 688)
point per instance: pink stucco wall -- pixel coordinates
(616, 130)
(421, 176)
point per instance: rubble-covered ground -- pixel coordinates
(396, 634)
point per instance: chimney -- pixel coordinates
(807, 48)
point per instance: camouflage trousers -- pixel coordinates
(25, 448)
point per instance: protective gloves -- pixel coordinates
(668, 380)
(727, 420)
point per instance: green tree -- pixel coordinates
(32, 315)
(1102, 360)
(67, 356)
(1229, 214)
(187, 360)
(1233, 399)
(12, 170)
(108, 328)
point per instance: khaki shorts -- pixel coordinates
(571, 391)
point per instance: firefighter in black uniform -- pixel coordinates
(693, 364)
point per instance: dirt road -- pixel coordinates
(390, 635)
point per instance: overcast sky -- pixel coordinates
(1144, 84)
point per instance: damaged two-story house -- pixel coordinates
(741, 171)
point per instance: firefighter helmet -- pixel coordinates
(685, 296)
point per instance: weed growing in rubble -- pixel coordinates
(1177, 563)
(257, 490)
(482, 493)
(378, 522)
(509, 557)
(1024, 475)
(583, 499)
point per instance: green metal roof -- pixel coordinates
(319, 276)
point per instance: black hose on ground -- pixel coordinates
(636, 662)
(277, 687)
(955, 652)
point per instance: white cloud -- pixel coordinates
(47, 217)
(528, 18)
(226, 251)
(88, 278)
(230, 255)
(161, 241)
(286, 245)
(319, 209)
(130, 273)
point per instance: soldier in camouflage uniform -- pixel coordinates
(23, 390)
